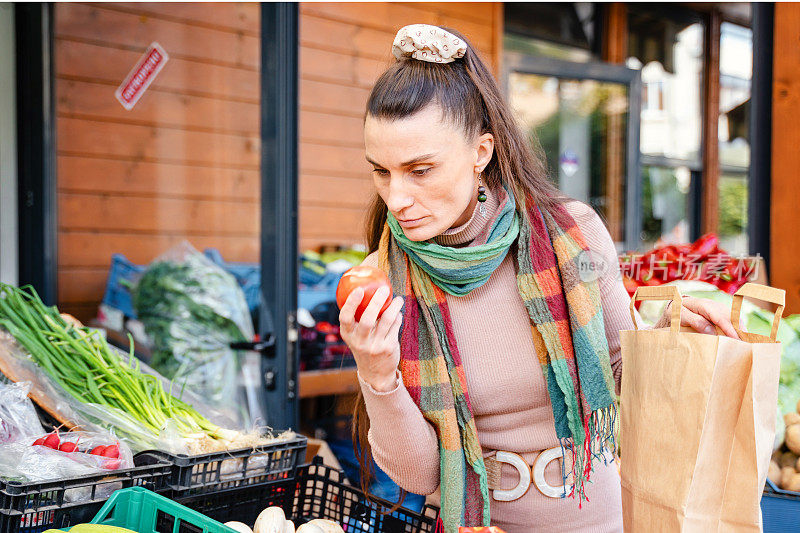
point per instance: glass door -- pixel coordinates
(585, 117)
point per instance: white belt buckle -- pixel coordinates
(526, 474)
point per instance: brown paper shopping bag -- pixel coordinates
(698, 421)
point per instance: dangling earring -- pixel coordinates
(481, 195)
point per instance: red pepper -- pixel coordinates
(715, 269)
(669, 253)
(728, 287)
(630, 284)
(650, 279)
(736, 277)
(705, 245)
(674, 272)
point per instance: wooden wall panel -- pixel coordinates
(143, 179)
(784, 268)
(344, 47)
(87, 249)
(100, 138)
(182, 165)
(104, 24)
(172, 109)
(109, 65)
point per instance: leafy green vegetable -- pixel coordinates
(192, 311)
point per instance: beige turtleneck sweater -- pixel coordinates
(507, 390)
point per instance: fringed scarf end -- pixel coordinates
(599, 440)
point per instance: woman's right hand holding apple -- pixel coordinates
(373, 339)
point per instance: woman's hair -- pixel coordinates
(468, 96)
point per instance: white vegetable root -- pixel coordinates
(289, 527)
(309, 528)
(238, 526)
(271, 520)
(327, 526)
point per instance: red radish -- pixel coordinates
(52, 441)
(68, 447)
(38, 442)
(112, 464)
(98, 450)
(111, 451)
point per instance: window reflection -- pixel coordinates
(579, 125)
(736, 73)
(666, 45)
(669, 52)
(665, 198)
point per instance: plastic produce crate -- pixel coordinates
(317, 492)
(780, 509)
(35, 506)
(143, 511)
(214, 472)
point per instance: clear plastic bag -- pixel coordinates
(24, 462)
(18, 419)
(192, 310)
(100, 418)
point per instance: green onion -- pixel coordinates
(81, 362)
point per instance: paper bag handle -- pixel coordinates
(659, 292)
(763, 293)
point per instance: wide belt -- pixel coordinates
(527, 474)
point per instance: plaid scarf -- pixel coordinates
(567, 328)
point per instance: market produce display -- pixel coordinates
(192, 311)
(80, 361)
(702, 260)
(784, 469)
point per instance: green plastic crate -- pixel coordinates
(145, 511)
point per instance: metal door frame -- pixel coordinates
(279, 199)
(603, 72)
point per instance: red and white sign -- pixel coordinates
(141, 76)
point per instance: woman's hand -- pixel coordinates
(373, 341)
(702, 315)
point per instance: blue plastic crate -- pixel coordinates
(780, 509)
(248, 275)
(324, 291)
(117, 294)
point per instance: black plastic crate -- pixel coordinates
(243, 504)
(220, 471)
(35, 506)
(317, 492)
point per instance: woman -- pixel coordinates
(498, 347)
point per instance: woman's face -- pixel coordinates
(426, 170)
